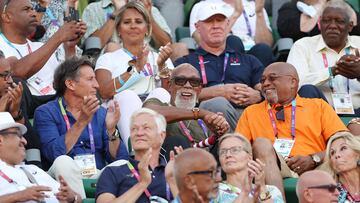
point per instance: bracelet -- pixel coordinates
(121, 81)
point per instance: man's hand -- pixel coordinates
(241, 94)
(216, 123)
(72, 43)
(348, 66)
(71, 31)
(259, 6)
(4, 103)
(145, 176)
(118, 4)
(35, 193)
(89, 107)
(15, 94)
(169, 169)
(65, 194)
(164, 54)
(300, 164)
(112, 116)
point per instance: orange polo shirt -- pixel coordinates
(315, 123)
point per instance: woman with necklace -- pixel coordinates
(235, 155)
(343, 157)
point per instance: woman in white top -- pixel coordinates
(235, 155)
(142, 77)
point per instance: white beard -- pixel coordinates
(186, 104)
(272, 98)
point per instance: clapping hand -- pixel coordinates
(65, 194)
(112, 115)
(348, 66)
(142, 58)
(88, 109)
(216, 123)
(164, 54)
(145, 176)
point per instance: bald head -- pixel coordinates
(184, 68)
(283, 69)
(192, 159)
(312, 179)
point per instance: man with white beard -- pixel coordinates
(187, 125)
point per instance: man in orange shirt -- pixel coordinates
(297, 128)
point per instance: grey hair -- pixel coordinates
(159, 119)
(245, 142)
(340, 4)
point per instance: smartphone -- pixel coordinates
(73, 14)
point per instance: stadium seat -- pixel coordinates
(90, 188)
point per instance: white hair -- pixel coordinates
(340, 4)
(159, 119)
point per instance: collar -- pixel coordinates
(299, 103)
(106, 3)
(162, 161)
(321, 45)
(203, 52)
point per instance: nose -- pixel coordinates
(23, 141)
(187, 84)
(95, 84)
(218, 177)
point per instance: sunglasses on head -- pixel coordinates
(181, 81)
(330, 187)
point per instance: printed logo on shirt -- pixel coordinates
(234, 61)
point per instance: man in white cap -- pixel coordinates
(20, 182)
(227, 75)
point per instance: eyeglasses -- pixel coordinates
(6, 75)
(5, 5)
(232, 150)
(213, 173)
(181, 81)
(330, 187)
(280, 116)
(12, 133)
(272, 78)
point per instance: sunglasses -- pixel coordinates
(6, 75)
(273, 78)
(213, 173)
(280, 116)
(330, 187)
(181, 81)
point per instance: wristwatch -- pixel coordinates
(132, 67)
(316, 159)
(264, 196)
(114, 136)
(195, 113)
(40, 9)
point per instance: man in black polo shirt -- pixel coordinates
(132, 181)
(227, 75)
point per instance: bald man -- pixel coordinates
(316, 186)
(196, 175)
(296, 127)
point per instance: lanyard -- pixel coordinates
(273, 123)
(346, 195)
(203, 72)
(137, 176)
(68, 126)
(186, 131)
(12, 46)
(2, 174)
(53, 20)
(247, 23)
(326, 65)
(148, 66)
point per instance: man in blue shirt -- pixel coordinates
(227, 75)
(133, 181)
(78, 137)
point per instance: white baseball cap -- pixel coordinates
(210, 9)
(7, 121)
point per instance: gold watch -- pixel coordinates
(195, 113)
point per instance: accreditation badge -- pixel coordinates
(284, 146)
(342, 103)
(86, 163)
(41, 86)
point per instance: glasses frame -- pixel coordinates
(213, 173)
(18, 134)
(229, 150)
(330, 187)
(193, 81)
(273, 77)
(6, 75)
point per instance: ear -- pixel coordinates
(5, 18)
(189, 182)
(308, 195)
(70, 84)
(162, 136)
(351, 26)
